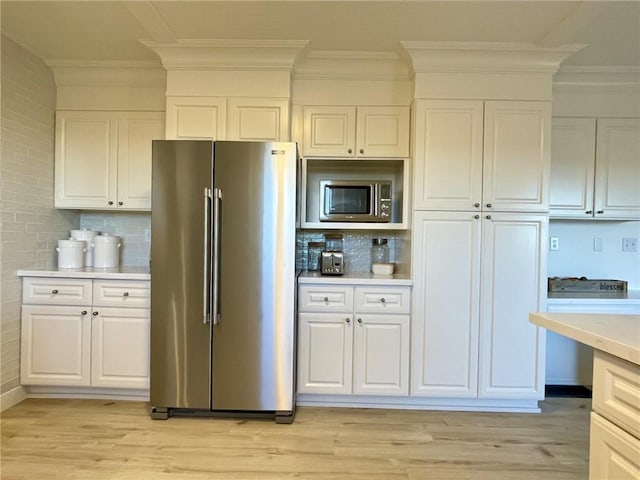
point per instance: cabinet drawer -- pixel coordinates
(382, 299)
(616, 391)
(613, 453)
(330, 298)
(122, 293)
(56, 291)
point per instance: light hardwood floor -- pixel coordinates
(98, 439)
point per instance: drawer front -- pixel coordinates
(382, 299)
(325, 299)
(616, 391)
(613, 453)
(122, 293)
(56, 291)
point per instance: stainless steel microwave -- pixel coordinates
(355, 201)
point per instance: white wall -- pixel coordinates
(30, 225)
(577, 258)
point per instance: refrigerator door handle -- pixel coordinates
(206, 310)
(217, 202)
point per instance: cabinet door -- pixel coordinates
(613, 453)
(448, 155)
(86, 155)
(573, 143)
(513, 283)
(617, 189)
(445, 315)
(120, 347)
(382, 132)
(56, 344)
(516, 156)
(258, 119)
(381, 355)
(329, 131)
(136, 131)
(196, 118)
(325, 349)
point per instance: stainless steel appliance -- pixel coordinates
(223, 244)
(332, 258)
(355, 201)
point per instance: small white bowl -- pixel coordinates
(382, 268)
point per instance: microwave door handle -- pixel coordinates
(374, 201)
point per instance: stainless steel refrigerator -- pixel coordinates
(223, 227)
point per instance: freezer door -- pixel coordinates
(253, 338)
(180, 336)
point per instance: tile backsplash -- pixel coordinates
(133, 227)
(356, 247)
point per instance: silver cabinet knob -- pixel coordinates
(120, 203)
(55, 291)
(348, 320)
(599, 212)
(362, 150)
(477, 205)
(476, 216)
(383, 300)
(84, 312)
(488, 217)
(359, 320)
(588, 212)
(110, 202)
(350, 150)
(125, 294)
(326, 299)
(95, 314)
(489, 205)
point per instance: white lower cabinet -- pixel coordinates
(347, 348)
(476, 278)
(73, 337)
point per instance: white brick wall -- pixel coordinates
(30, 226)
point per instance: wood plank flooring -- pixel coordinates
(116, 440)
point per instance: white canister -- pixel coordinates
(106, 251)
(71, 253)
(87, 236)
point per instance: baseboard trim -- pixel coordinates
(12, 397)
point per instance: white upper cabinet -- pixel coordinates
(595, 168)
(573, 142)
(258, 119)
(491, 155)
(196, 118)
(617, 178)
(367, 132)
(103, 159)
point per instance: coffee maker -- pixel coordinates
(332, 258)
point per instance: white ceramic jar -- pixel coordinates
(106, 251)
(87, 236)
(71, 253)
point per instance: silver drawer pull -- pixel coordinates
(348, 320)
(382, 300)
(95, 314)
(84, 312)
(125, 294)
(326, 299)
(54, 291)
(359, 320)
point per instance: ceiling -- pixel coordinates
(111, 30)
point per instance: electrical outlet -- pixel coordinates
(554, 243)
(629, 244)
(597, 244)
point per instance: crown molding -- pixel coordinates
(351, 65)
(239, 54)
(485, 57)
(597, 78)
(109, 73)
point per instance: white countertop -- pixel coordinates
(119, 273)
(355, 278)
(618, 335)
(594, 298)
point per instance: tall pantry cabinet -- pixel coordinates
(480, 224)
